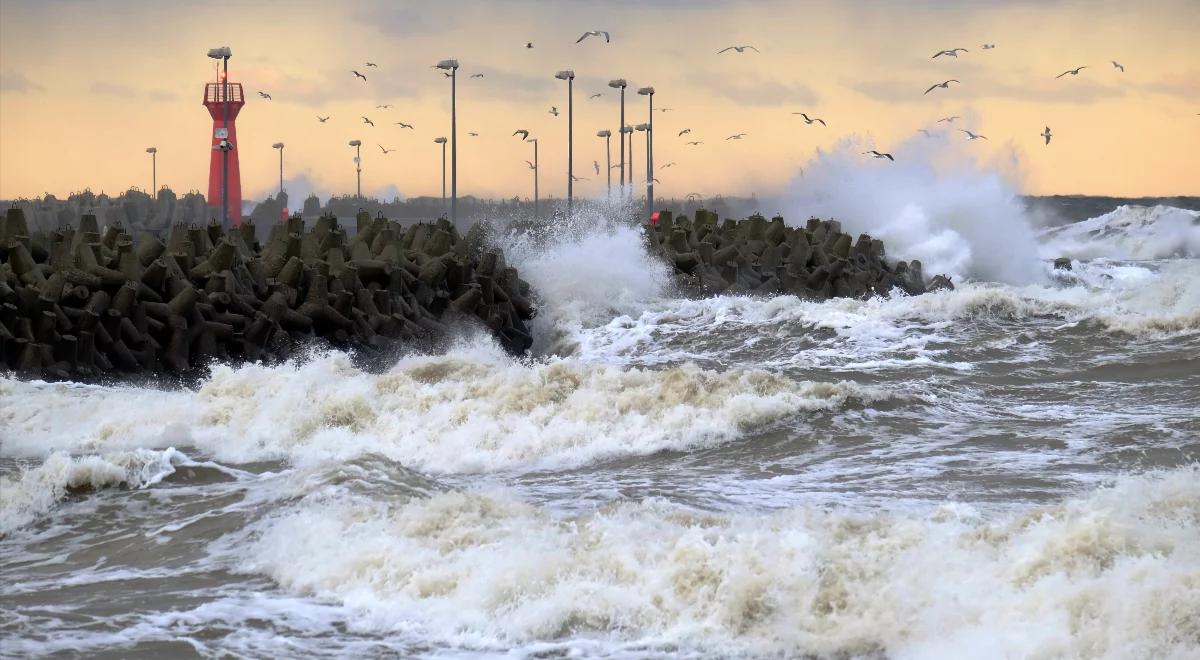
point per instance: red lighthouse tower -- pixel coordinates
(223, 100)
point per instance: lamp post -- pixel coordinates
(629, 130)
(442, 141)
(153, 151)
(357, 144)
(279, 146)
(620, 83)
(224, 53)
(646, 129)
(569, 76)
(452, 67)
(649, 92)
(607, 135)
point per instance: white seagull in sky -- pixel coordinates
(1073, 72)
(953, 52)
(943, 85)
(1046, 134)
(876, 154)
(740, 49)
(973, 136)
(594, 33)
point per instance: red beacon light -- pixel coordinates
(654, 218)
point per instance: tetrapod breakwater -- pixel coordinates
(81, 304)
(762, 256)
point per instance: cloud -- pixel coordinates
(508, 85)
(161, 96)
(1183, 85)
(13, 81)
(746, 90)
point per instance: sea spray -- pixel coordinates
(934, 203)
(585, 268)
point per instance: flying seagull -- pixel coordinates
(578, 178)
(948, 120)
(1046, 134)
(668, 165)
(265, 95)
(988, 46)
(973, 136)
(876, 154)
(403, 125)
(684, 132)
(472, 134)
(385, 151)
(664, 109)
(553, 110)
(596, 166)
(384, 106)
(696, 143)
(522, 132)
(943, 85)
(358, 75)
(372, 64)
(594, 33)
(953, 52)
(476, 75)
(368, 121)
(529, 44)
(596, 95)
(740, 49)
(808, 120)
(1118, 65)
(530, 164)
(737, 136)
(322, 119)
(1073, 72)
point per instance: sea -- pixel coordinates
(1007, 470)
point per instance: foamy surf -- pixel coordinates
(1111, 574)
(474, 410)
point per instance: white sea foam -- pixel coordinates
(934, 203)
(1112, 574)
(472, 410)
(1128, 233)
(35, 491)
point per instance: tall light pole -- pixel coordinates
(620, 83)
(279, 146)
(357, 144)
(569, 76)
(224, 53)
(442, 141)
(629, 130)
(646, 129)
(607, 135)
(153, 151)
(452, 67)
(649, 91)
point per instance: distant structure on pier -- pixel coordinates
(224, 99)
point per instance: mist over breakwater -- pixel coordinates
(1005, 468)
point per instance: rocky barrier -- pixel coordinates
(763, 256)
(82, 304)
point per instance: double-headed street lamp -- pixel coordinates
(452, 67)
(223, 54)
(620, 83)
(607, 135)
(649, 91)
(569, 76)
(442, 141)
(357, 144)
(153, 151)
(279, 146)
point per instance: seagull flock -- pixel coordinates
(737, 49)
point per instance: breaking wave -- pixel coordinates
(1128, 233)
(1112, 574)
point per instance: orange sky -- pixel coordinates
(86, 87)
